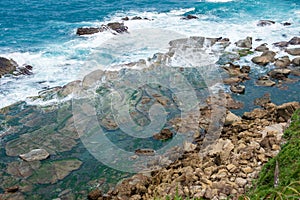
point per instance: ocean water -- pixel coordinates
(42, 33)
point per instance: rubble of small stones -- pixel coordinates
(225, 169)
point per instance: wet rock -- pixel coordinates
(69, 88)
(295, 72)
(125, 18)
(188, 17)
(23, 70)
(293, 51)
(115, 26)
(295, 41)
(262, 47)
(163, 135)
(144, 152)
(265, 58)
(7, 66)
(228, 57)
(87, 31)
(232, 80)
(286, 23)
(240, 89)
(265, 81)
(136, 18)
(232, 69)
(296, 61)
(245, 43)
(245, 69)
(280, 74)
(281, 44)
(265, 23)
(118, 27)
(35, 154)
(282, 62)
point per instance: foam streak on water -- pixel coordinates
(55, 64)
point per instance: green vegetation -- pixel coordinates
(289, 169)
(244, 52)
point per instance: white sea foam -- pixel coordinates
(62, 63)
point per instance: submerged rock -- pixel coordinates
(163, 135)
(35, 154)
(144, 152)
(7, 66)
(54, 171)
(263, 101)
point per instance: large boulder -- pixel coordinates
(265, 58)
(280, 74)
(237, 88)
(87, 31)
(115, 26)
(265, 81)
(118, 27)
(293, 51)
(34, 155)
(281, 44)
(245, 43)
(283, 62)
(262, 48)
(296, 61)
(7, 66)
(295, 41)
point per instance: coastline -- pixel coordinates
(55, 123)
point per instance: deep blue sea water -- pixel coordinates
(42, 33)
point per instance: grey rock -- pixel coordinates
(295, 41)
(283, 62)
(293, 51)
(265, 23)
(296, 61)
(245, 43)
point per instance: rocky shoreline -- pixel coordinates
(224, 170)
(36, 140)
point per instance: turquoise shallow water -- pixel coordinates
(42, 33)
(29, 25)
